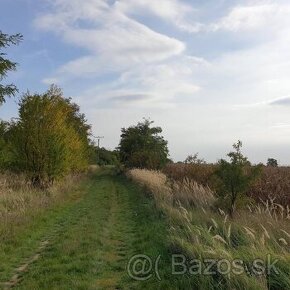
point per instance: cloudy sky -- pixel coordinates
(209, 72)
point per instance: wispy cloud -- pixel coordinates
(252, 17)
(175, 12)
(113, 39)
(147, 61)
(219, 69)
(281, 102)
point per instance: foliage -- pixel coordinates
(235, 176)
(142, 146)
(4, 153)
(272, 162)
(102, 156)
(50, 138)
(193, 159)
(6, 65)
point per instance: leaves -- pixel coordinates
(6, 65)
(141, 146)
(50, 138)
(235, 176)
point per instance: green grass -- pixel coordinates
(21, 237)
(91, 239)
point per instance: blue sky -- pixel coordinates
(209, 72)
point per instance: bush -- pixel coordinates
(235, 177)
(50, 138)
(272, 162)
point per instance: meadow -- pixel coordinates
(199, 228)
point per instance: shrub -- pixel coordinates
(50, 138)
(272, 162)
(235, 177)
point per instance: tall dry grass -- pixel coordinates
(199, 230)
(201, 173)
(186, 192)
(274, 182)
(20, 201)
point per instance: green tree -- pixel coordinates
(194, 159)
(235, 176)
(50, 138)
(6, 65)
(142, 146)
(272, 162)
(5, 156)
(102, 156)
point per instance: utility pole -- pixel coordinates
(98, 151)
(99, 138)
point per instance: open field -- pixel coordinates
(199, 229)
(83, 236)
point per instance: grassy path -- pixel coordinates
(87, 245)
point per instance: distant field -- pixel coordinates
(274, 182)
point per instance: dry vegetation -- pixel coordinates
(20, 201)
(199, 229)
(201, 173)
(274, 183)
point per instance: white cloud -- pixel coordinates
(163, 84)
(195, 101)
(175, 79)
(175, 12)
(285, 101)
(148, 63)
(114, 40)
(254, 17)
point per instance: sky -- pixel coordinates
(209, 72)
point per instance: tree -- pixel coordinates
(193, 159)
(272, 162)
(235, 176)
(142, 146)
(4, 152)
(50, 138)
(6, 65)
(102, 156)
